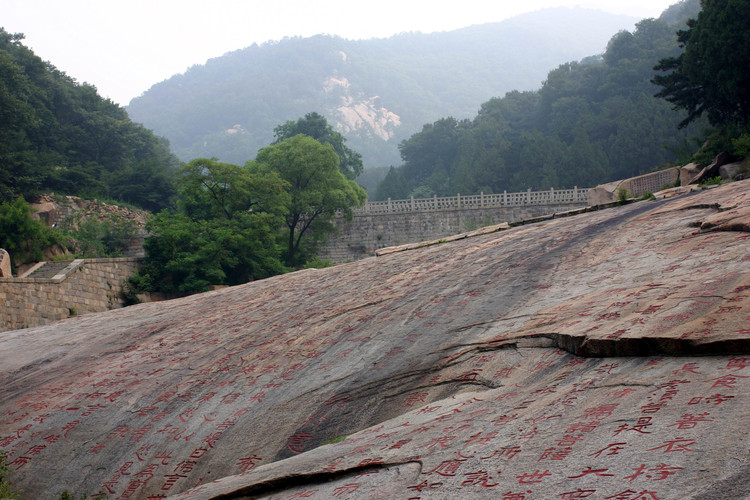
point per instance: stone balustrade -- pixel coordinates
(481, 200)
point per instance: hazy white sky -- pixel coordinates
(123, 47)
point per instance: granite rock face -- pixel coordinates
(5, 269)
(602, 356)
(54, 210)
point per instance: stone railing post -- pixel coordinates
(458, 200)
(389, 205)
(528, 196)
(575, 193)
(505, 197)
(481, 199)
(551, 195)
(434, 201)
(412, 203)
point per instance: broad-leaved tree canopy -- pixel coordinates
(317, 189)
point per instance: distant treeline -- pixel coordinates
(228, 107)
(591, 122)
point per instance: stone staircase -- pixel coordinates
(48, 270)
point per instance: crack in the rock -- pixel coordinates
(624, 384)
(703, 206)
(286, 482)
(581, 345)
(681, 297)
(591, 347)
(483, 346)
(355, 308)
(469, 326)
(726, 227)
(456, 381)
(325, 385)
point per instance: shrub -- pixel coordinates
(5, 489)
(713, 181)
(622, 195)
(22, 236)
(92, 238)
(741, 146)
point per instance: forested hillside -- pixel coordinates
(376, 92)
(591, 122)
(59, 135)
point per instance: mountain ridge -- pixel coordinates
(383, 89)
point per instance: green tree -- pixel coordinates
(712, 74)
(146, 184)
(59, 135)
(17, 177)
(392, 186)
(592, 121)
(316, 126)
(185, 256)
(22, 236)
(224, 233)
(93, 238)
(209, 189)
(317, 190)
(428, 155)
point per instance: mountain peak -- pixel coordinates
(377, 91)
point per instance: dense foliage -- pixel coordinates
(317, 190)
(316, 126)
(226, 227)
(98, 237)
(591, 122)
(228, 107)
(712, 74)
(22, 236)
(59, 135)
(224, 231)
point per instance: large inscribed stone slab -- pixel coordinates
(600, 356)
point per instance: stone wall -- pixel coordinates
(84, 286)
(362, 236)
(635, 186)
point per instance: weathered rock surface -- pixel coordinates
(602, 356)
(634, 187)
(5, 268)
(688, 173)
(733, 171)
(54, 210)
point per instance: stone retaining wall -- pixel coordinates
(85, 286)
(635, 186)
(362, 236)
(505, 199)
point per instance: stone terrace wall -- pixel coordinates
(481, 200)
(635, 186)
(362, 236)
(85, 286)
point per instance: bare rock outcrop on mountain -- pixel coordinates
(53, 210)
(360, 113)
(602, 356)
